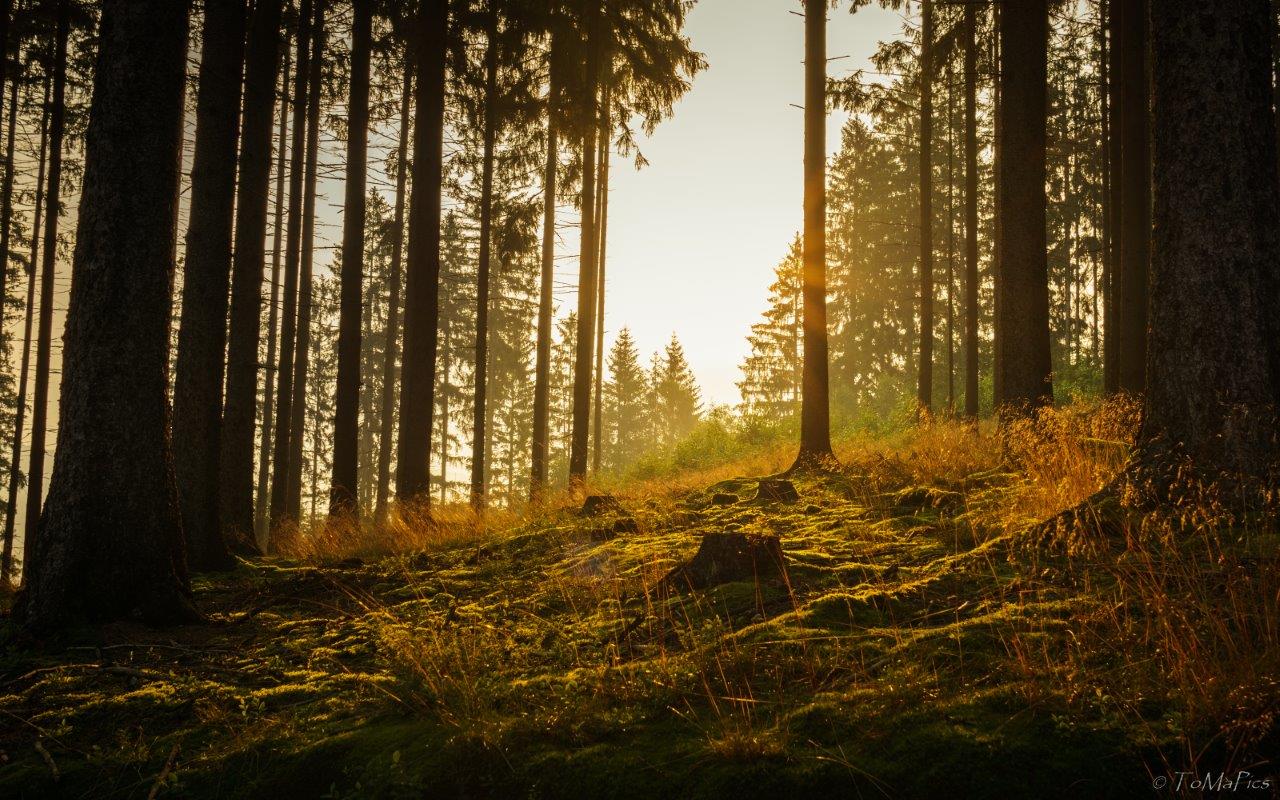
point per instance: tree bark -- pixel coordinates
(603, 194)
(971, 309)
(6, 192)
(346, 426)
(479, 426)
(542, 358)
(815, 412)
(197, 390)
(924, 381)
(391, 352)
(15, 473)
(587, 276)
(1026, 363)
(1214, 352)
(261, 63)
(422, 267)
(110, 542)
(44, 339)
(1135, 201)
(263, 501)
(1112, 198)
(302, 352)
(281, 449)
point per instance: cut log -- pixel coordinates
(777, 490)
(728, 557)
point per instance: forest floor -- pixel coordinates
(919, 645)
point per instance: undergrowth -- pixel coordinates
(919, 645)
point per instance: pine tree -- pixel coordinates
(625, 395)
(675, 401)
(772, 374)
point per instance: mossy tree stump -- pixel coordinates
(728, 557)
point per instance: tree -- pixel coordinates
(625, 395)
(1213, 356)
(197, 390)
(815, 414)
(422, 268)
(971, 309)
(1025, 361)
(110, 541)
(236, 461)
(346, 427)
(924, 391)
(772, 374)
(40, 403)
(489, 136)
(676, 403)
(392, 335)
(542, 365)
(1135, 195)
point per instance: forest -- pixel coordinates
(338, 465)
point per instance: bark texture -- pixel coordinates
(971, 199)
(110, 542)
(1135, 196)
(542, 358)
(202, 335)
(924, 377)
(1025, 362)
(1214, 352)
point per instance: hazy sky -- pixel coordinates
(695, 236)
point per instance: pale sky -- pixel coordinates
(695, 236)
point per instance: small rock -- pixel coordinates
(777, 490)
(723, 499)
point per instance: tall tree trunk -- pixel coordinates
(281, 449)
(997, 124)
(110, 542)
(815, 410)
(606, 128)
(6, 191)
(1214, 352)
(197, 389)
(422, 267)
(479, 426)
(252, 199)
(1026, 363)
(346, 425)
(15, 472)
(924, 381)
(391, 350)
(1135, 201)
(1111, 199)
(971, 309)
(542, 359)
(44, 339)
(587, 276)
(263, 503)
(951, 250)
(302, 352)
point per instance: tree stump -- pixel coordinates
(728, 557)
(777, 490)
(723, 499)
(599, 505)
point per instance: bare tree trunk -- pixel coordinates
(110, 542)
(393, 310)
(1214, 352)
(6, 192)
(815, 410)
(603, 194)
(15, 472)
(997, 124)
(252, 199)
(1111, 199)
(971, 309)
(346, 426)
(44, 339)
(202, 337)
(281, 449)
(479, 427)
(422, 269)
(587, 275)
(1026, 363)
(951, 251)
(924, 383)
(302, 353)
(263, 503)
(1135, 201)
(542, 359)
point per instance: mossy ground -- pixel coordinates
(914, 651)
